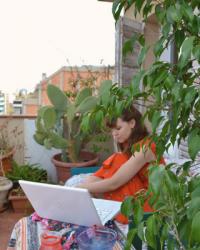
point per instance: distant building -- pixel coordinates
(68, 79)
(3, 103)
(18, 107)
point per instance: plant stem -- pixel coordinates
(174, 229)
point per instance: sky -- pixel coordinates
(41, 36)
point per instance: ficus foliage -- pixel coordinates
(172, 94)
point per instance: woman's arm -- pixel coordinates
(124, 174)
(91, 178)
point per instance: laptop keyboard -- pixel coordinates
(104, 214)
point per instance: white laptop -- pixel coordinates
(69, 204)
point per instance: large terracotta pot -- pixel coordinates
(63, 169)
(7, 161)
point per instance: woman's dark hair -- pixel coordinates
(139, 131)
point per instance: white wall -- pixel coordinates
(35, 153)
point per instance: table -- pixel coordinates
(27, 232)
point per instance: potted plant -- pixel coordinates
(28, 172)
(172, 93)
(6, 153)
(58, 126)
(6, 148)
(5, 186)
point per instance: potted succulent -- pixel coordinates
(28, 172)
(58, 126)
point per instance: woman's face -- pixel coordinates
(122, 131)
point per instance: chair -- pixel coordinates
(83, 170)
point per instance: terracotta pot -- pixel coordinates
(63, 169)
(7, 161)
(20, 204)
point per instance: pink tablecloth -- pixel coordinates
(27, 232)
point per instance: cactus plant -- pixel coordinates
(58, 126)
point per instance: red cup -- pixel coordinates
(50, 242)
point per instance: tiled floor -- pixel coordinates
(7, 221)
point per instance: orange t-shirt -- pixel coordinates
(137, 183)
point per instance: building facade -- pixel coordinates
(3, 103)
(68, 79)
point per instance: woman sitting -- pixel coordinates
(125, 173)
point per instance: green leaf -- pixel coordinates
(159, 47)
(82, 95)
(140, 230)
(87, 105)
(189, 97)
(179, 37)
(131, 235)
(39, 125)
(57, 141)
(193, 143)
(161, 77)
(142, 55)
(177, 90)
(127, 207)
(49, 117)
(170, 244)
(57, 97)
(173, 14)
(128, 46)
(187, 11)
(138, 212)
(186, 50)
(156, 178)
(196, 52)
(42, 110)
(99, 116)
(171, 182)
(105, 88)
(135, 82)
(164, 235)
(39, 138)
(85, 123)
(151, 231)
(184, 229)
(193, 207)
(166, 29)
(117, 8)
(160, 13)
(119, 107)
(71, 113)
(194, 183)
(138, 4)
(196, 193)
(155, 121)
(47, 143)
(195, 232)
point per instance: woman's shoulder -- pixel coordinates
(147, 144)
(144, 143)
(118, 156)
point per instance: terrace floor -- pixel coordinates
(7, 221)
